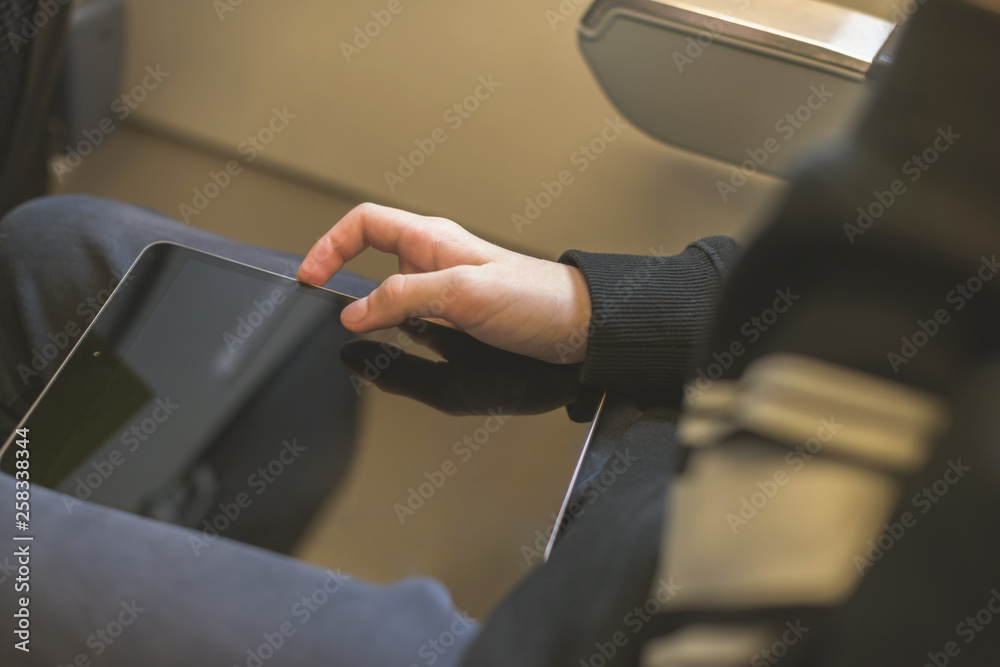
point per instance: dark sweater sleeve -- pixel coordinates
(649, 314)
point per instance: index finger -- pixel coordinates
(365, 225)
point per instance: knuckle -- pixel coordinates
(462, 278)
(393, 288)
(366, 209)
(445, 235)
(443, 223)
(449, 228)
(325, 247)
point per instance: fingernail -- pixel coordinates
(302, 273)
(356, 311)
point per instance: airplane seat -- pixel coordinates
(60, 68)
(31, 53)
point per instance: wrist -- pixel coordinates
(574, 349)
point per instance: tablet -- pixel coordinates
(229, 399)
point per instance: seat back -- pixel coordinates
(32, 42)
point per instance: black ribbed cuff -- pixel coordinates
(649, 314)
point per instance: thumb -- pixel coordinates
(402, 296)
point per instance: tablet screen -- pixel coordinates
(231, 400)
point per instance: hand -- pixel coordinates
(531, 306)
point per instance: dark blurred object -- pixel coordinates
(92, 78)
(54, 63)
(32, 49)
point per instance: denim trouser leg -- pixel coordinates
(60, 257)
(118, 589)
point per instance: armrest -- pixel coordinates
(737, 80)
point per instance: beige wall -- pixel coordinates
(354, 119)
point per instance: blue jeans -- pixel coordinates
(110, 588)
